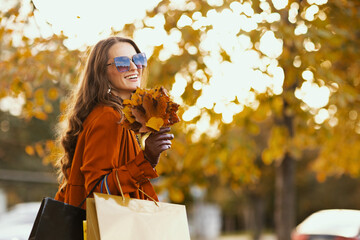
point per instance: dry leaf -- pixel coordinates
(148, 110)
(155, 123)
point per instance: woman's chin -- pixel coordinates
(135, 86)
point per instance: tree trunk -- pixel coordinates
(285, 198)
(258, 205)
(254, 215)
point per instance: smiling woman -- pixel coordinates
(96, 144)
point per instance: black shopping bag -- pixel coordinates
(58, 221)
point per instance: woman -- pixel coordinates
(95, 143)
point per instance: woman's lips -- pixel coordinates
(132, 77)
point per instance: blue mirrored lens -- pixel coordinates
(140, 60)
(122, 63)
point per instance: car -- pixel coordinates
(329, 224)
(17, 223)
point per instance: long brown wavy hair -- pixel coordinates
(91, 91)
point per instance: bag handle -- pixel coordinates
(121, 191)
(91, 191)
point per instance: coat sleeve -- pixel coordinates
(105, 141)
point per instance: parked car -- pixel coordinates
(330, 224)
(17, 223)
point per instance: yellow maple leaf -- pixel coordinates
(128, 114)
(127, 102)
(155, 123)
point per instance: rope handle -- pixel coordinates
(122, 194)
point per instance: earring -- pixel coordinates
(109, 90)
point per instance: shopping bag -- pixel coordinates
(58, 221)
(117, 216)
(139, 219)
(91, 220)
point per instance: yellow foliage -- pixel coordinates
(28, 89)
(48, 108)
(210, 170)
(321, 177)
(261, 114)
(63, 106)
(178, 147)
(39, 150)
(40, 115)
(277, 105)
(253, 129)
(25, 72)
(53, 94)
(39, 97)
(50, 145)
(53, 152)
(176, 195)
(267, 157)
(29, 150)
(16, 85)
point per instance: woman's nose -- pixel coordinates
(133, 66)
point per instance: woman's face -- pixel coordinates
(124, 82)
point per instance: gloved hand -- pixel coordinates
(156, 143)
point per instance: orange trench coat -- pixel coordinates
(104, 147)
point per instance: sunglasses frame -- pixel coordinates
(124, 59)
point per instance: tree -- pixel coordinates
(36, 70)
(245, 73)
(35, 75)
(314, 37)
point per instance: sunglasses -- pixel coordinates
(122, 63)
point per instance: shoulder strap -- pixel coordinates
(91, 191)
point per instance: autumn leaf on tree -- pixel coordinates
(148, 110)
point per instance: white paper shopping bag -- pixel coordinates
(126, 218)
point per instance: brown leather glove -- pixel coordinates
(156, 143)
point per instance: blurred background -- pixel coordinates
(269, 95)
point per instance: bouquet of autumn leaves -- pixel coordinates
(148, 110)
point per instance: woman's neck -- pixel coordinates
(121, 94)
